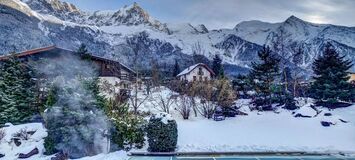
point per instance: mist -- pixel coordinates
(75, 123)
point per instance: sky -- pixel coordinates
(216, 14)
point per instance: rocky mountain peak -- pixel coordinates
(50, 6)
(293, 20)
(132, 15)
(135, 15)
(201, 28)
(62, 10)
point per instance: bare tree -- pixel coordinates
(198, 53)
(193, 90)
(297, 78)
(137, 100)
(163, 102)
(297, 59)
(207, 105)
(155, 74)
(183, 106)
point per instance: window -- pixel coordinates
(195, 78)
(200, 72)
(200, 78)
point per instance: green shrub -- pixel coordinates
(162, 133)
(129, 132)
(49, 145)
(129, 129)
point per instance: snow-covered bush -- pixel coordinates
(290, 102)
(23, 134)
(162, 133)
(128, 130)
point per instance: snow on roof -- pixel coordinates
(189, 69)
(44, 49)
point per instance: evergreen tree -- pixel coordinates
(217, 67)
(331, 77)
(17, 91)
(74, 120)
(242, 84)
(176, 69)
(263, 76)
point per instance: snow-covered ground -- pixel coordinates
(258, 131)
(11, 151)
(36, 140)
(265, 131)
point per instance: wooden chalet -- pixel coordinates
(107, 67)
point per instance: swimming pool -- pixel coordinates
(244, 158)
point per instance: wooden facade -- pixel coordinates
(106, 67)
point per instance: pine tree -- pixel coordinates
(17, 90)
(242, 84)
(263, 76)
(331, 77)
(226, 95)
(176, 69)
(217, 67)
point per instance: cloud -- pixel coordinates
(227, 13)
(217, 14)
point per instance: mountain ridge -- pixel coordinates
(109, 37)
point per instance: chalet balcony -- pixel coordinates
(127, 77)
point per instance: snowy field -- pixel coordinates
(258, 131)
(266, 131)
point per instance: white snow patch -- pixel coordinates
(36, 140)
(164, 117)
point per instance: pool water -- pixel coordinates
(244, 158)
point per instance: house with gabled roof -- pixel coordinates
(111, 71)
(197, 72)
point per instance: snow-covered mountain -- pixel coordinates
(117, 34)
(288, 37)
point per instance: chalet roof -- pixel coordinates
(53, 47)
(189, 69)
(28, 52)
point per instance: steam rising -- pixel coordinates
(74, 122)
